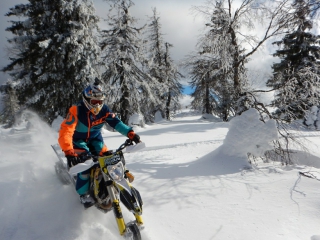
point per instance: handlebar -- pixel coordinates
(127, 143)
(87, 155)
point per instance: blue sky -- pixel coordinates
(187, 89)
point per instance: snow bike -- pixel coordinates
(108, 185)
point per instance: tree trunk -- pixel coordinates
(124, 100)
(207, 105)
(168, 106)
(236, 81)
(124, 104)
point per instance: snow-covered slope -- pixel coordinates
(191, 189)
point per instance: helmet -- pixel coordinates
(93, 96)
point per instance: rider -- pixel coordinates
(81, 131)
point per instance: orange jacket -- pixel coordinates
(81, 126)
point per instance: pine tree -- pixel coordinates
(123, 59)
(213, 88)
(199, 70)
(212, 69)
(295, 77)
(156, 47)
(222, 43)
(162, 68)
(56, 53)
(156, 65)
(172, 76)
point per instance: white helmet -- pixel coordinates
(93, 97)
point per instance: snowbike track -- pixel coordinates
(176, 145)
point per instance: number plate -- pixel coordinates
(111, 160)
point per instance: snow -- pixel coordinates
(312, 116)
(245, 135)
(136, 120)
(158, 117)
(192, 186)
(45, 43)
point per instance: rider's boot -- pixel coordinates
(87, 200)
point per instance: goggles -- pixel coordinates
(95, 102)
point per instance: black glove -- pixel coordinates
(134, 137)
(73, 160)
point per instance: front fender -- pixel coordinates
(130, 197)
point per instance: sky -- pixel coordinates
(179, 25)
(193, 176)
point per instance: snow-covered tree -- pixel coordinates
(311, 118)
(161, 67)
(199, 69)
(10, 104)
(156, 66)
(296, 77)
(229, 35)
(156, 50)
(213, 89)
(212, 68)
(123, 59)
(172, 76)
(55, 53)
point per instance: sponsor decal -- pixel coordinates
(112, 159)
(98, 121)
